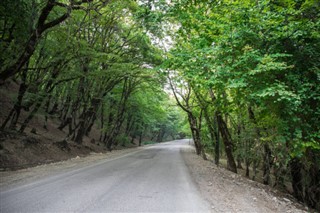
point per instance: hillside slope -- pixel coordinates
(39, 145)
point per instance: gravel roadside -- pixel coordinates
(9, 179)
(229, 192)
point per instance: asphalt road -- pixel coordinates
(155, 179)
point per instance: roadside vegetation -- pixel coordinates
(245, 74)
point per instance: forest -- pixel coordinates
(241, 77)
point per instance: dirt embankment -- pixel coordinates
(24, 176)
(42, 142)
(229, 192)
(18, 151)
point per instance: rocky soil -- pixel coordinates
(229, 192)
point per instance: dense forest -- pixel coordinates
(245, 73)
(86, 63)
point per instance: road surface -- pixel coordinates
(155, 179)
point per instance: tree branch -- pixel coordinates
(175, 96)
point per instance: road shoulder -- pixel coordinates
(9, 179)
(229, 192)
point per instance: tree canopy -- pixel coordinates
(246, 74)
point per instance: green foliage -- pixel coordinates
(254, 63)
(97, 62)
(260, 55)
(15, 29)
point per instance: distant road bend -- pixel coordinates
(155, 179)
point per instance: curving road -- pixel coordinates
(155, 179)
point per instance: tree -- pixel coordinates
(37, 27)
(260, 60)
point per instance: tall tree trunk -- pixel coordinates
(279, 174)
(80, 133)
(65, 122)
(47, 91)
(254, 168)
(132, 138)
(296, 167)
(217, 144)
(213, 135)
(47, 106)
(30, 116)
(266, 164)
(239, 143)
(16, 110)
(312, 189)
(195, 133)
(227, 143)
(65, 108)
(79, 130)
(140, 138)
(101, 122)
(90, 125)
(247, 168)
(128, 88)
(247, 159)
